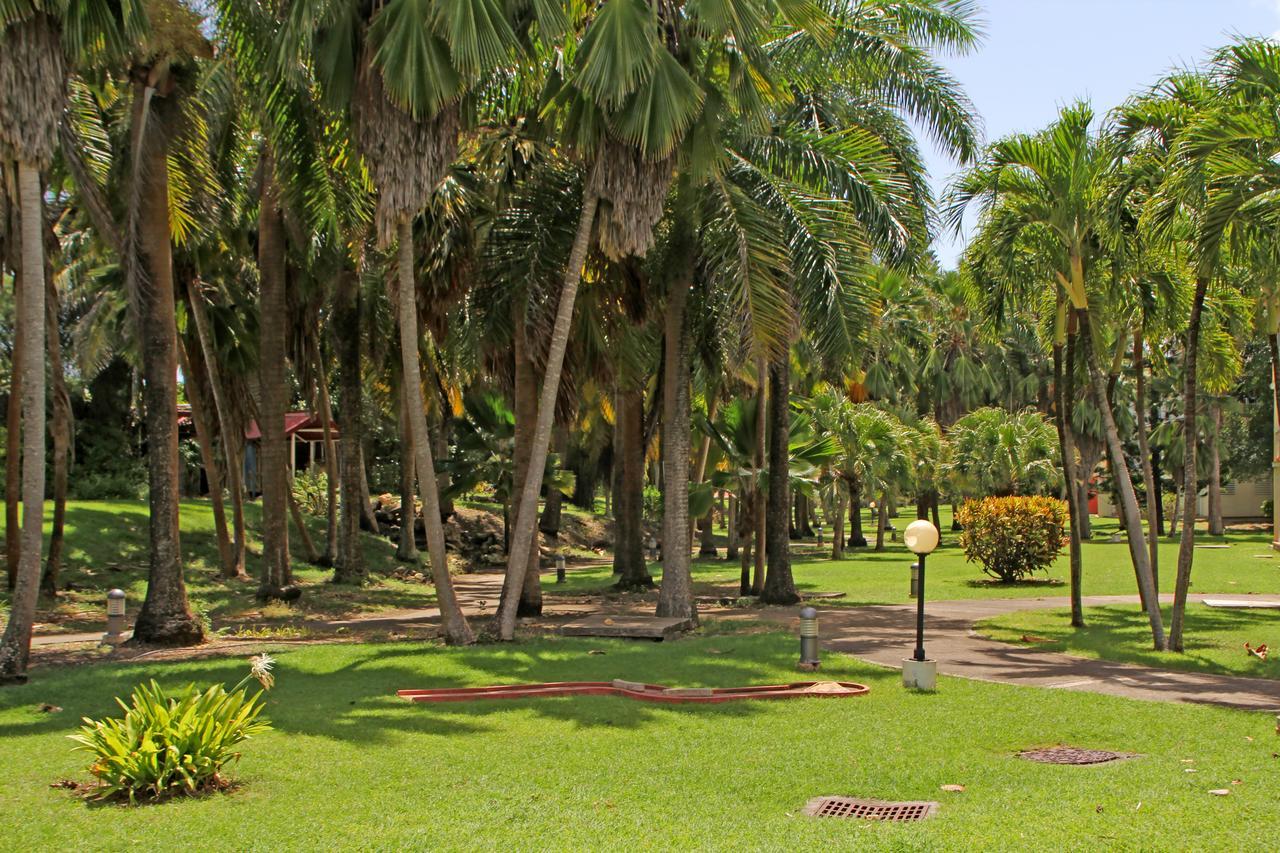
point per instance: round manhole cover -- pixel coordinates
(1072, 755)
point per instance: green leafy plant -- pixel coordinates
(311, 491)
(174, 742)
(1012, 537)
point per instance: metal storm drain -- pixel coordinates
(868, 809)
(1072, 755)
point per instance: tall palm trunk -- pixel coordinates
(628, 504)
(675, 597)
(746, 522)
(731, 529)
(856, 538)
(61, 429)
(1144, 450)
(456, 629)
(407, 548)
(330, 456)
(526, 412)
(13, 437)
(779, 585)
(15, 645)
(273, 455)
(759, 501)
(204, 438)
(707, 543)
(527, 504)
(349, 568)
(229, 429)
(1124, 484)
(1186, 546)
(165, 616)
(1066, 447)
(837, 524)
(1216, 526)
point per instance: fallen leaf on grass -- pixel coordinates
(595, 651)
(1220, 792)
(953, 788)
(49, 709)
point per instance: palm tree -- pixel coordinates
(995, 452)
(1046, 187)
(32, 73)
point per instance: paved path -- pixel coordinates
(885, 634)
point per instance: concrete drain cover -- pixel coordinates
(1072, 755)
(868, 809)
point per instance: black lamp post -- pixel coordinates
(921, 538)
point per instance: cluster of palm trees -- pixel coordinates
(655, 221)
(1146, 243)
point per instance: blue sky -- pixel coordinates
(1040, 54)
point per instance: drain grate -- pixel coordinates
(868, 809)
(1072, 755)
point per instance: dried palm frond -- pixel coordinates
(632, 191)
(407, 157)
(33, 74)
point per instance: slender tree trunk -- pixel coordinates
(61, 406)
(330, 556)
(13, 441)
(779, 585)
(1144, 450)
(856, 537)
(231, 432)
(15, 646)
(837, 523)
(1128, 500)
(1066, 446)
(454, 622)
(628, 505)
(707, 543)
(407, 549)
(526, 412)
(549, 523)
(1186, 546)
(882, 519)
(273, 449)
(675, 596)
(760, 500)
(300, 523)
(527, 507)
(349, 568)
(746, 522)
(213, 471)
(1216, 525)
(731, 529)
(366, 502)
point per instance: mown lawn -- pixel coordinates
(351, 766)
(866, 577)
(1213, 640)
(107, 546)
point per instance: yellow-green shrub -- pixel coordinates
(1012, 537)
(173, 742)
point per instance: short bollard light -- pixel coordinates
(921, 537)
(115, 617)
(817, 531)
(653, 550)
(809, 638)
(559, 568)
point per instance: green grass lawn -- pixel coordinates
(1214, 639)
(351, 766)
(867, 577)
(107, 546)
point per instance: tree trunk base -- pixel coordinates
(169, 631)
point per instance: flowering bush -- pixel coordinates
(1012, 537)
(174, 742)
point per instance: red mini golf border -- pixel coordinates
(635, 690)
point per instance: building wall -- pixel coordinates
(1239, 500)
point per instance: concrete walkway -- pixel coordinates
(885, 634)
